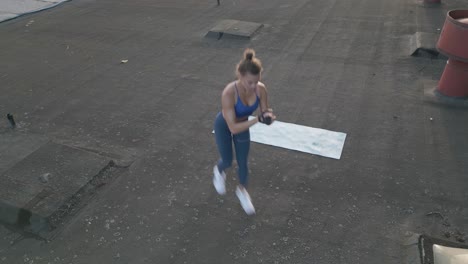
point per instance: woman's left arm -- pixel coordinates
(264, 103)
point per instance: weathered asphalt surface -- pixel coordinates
(341, 65)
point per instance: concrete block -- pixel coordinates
(430, 3)
(35, 191)
(15, 146)
(422, 44)
(234, 28)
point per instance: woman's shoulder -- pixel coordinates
(261, 87)
(230, 85)
(229, 89)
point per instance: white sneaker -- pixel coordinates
(245, 201)
(219, 181)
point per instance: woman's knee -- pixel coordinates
(243, 137)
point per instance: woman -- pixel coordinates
(239, 100)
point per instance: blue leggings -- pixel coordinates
(224, 140)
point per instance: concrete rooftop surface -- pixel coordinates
(139, 83)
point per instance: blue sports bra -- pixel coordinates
(244, 110)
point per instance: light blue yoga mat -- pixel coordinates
(311, 140)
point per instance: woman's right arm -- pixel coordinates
(229, 114)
